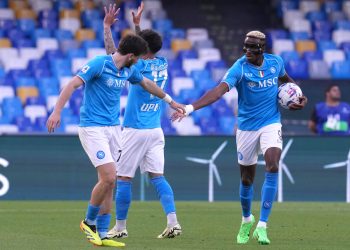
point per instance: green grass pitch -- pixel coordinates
(55, 225)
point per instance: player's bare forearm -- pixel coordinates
(66, 93)
(211, 96)
(152, 88)
(108, 39)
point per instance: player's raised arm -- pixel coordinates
(136, 18)
(110, 17)
(153, 88)
(54, 119)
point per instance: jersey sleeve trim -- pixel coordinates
(81, 78)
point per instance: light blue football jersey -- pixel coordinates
(257, 89)
(103, 85)
(143, 110)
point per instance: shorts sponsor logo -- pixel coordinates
(100, 154)
(240, 156)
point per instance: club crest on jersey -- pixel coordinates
(273, 70)
(110, 82)
(261, 73)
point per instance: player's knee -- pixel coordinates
(247, 180)
(109, 182)
(272, 167)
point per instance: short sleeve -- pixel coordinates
(282, 70)
(140, 65)
(90, 70)
(233, 75)
(135, 76)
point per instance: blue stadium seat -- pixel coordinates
(14, 74)
(37, 63)
(174, 64)
(7, 24)
(63, 34)
(15, 35)
(227, 124)
(205, 112)
(40, 33)
(24, 43)
(40, 124)
(120, 26)
(316, 16)
(41, 73)
(312, 55)
(26, 25)
(48, 86)
(324, 25)
(285, 5)
(297, 68)
(342, 25)
(220, 108)
(345, 46)
(35, 101)
(25, 82)
(331, 6)
(177, 33)
(75, 53)
(166, 126)
(188, 95)
(12, 107)
(53, 54)
(199, 75)
(61, 67)
(184, 54)
(86, 44)
(62, 4)
(340, 70)
(275, 34)
(322, 35)
(299, 35)
(215, 64)
(209, 126)
(162, 25)
(23, 123)
(48, 14)
(289, 55)
(87, 16)
(205, 84)
(176, 73)
(50, 24)
(325, 45)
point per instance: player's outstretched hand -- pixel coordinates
(177, 106)
(300, 105)
(110, 15)
(53, 122)
(136, 18)
(177, 116)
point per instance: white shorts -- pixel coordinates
(101, 144)
(251, 143)
(142, 148)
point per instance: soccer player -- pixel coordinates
(142, 136)
(331, 117)
(256, 76)
(99, 128)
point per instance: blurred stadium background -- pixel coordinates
(44, 43)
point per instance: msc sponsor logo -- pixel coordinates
(117, 83)
(268, 82)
